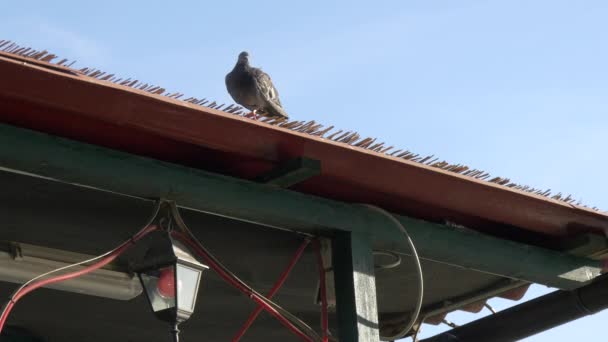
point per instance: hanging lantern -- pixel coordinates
(170, 276)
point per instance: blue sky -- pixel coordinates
(516, 88)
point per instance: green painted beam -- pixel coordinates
(292, 172)
(356, 303)
(82, 164)
(514, 260)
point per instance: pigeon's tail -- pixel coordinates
(274, 109)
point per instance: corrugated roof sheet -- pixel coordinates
(308, 127)
(354, 168)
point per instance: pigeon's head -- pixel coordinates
(244, 57)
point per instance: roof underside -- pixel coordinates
(88, 221)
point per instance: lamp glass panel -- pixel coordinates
(188, 279)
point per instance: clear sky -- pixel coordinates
(517, 88)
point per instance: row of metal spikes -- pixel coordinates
(306, 127)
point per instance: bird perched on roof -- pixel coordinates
(253, 89)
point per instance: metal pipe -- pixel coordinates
(534, 316)
(80, 164)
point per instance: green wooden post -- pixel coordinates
(355, 284)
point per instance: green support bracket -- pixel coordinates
(292, 172)
(590, 245)
(71, 162)
(356, 304)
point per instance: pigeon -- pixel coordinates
(253, 89)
